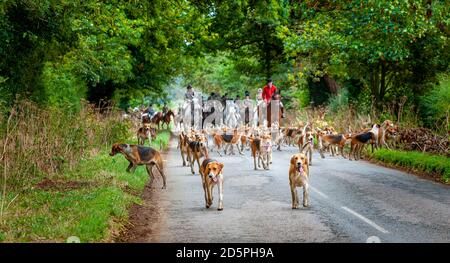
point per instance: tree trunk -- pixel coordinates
(332, 85)
(382, 84)
(374, 82)
(378, 84)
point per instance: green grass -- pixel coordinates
(423, 162)
(94, 211)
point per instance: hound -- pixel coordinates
(299, 177)
(308, 145)
(139, 155)
(387, 131)
(211, 172)
(196, 149)
(289, 134)
(327, 140)
(183, 140)
(146, 133)
(261, 149)
(357, 144)
(229, 140)
(244, 138)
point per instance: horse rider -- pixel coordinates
(150, 111)
(259, 96)
(247, 104)
(189, 95)
(224, 99)
(165, 109)
(212, 96)
(237, 103)
(268, 91)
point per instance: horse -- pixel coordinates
(269, 110)
(157, 118)
(166, 118)
(145, 118)
(260, 106)
(187, 114)
(232, 115)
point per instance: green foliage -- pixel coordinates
(58, 52)
(86, 214)
(93, 211)
(389, 46)
(435, 106)
(89, 212)
(302, 97)
(218, 73)
(62, 88)
(339, 101)
(247, 29)
(416, 160)
(46, 141)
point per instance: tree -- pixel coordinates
(59, 52)
(247, 30)
(381, 43)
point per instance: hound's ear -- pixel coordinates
(293, 160)
(220, 168)
(303, 147)
(114, 147)
(307, 161)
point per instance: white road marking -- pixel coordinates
(368, 221)
(319, 192)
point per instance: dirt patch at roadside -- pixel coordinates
(48, 184)
(146, 219)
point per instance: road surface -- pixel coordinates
(350, 202)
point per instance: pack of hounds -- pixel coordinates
(197, 146)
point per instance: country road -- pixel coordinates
(350, 202)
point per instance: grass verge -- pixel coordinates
(422, 162)
(90, 201)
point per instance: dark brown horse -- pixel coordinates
(145, 119)
(269, 111)
(166, 118)
(157, 118)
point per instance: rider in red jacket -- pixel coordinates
(268, 91)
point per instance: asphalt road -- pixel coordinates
(349, 202)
